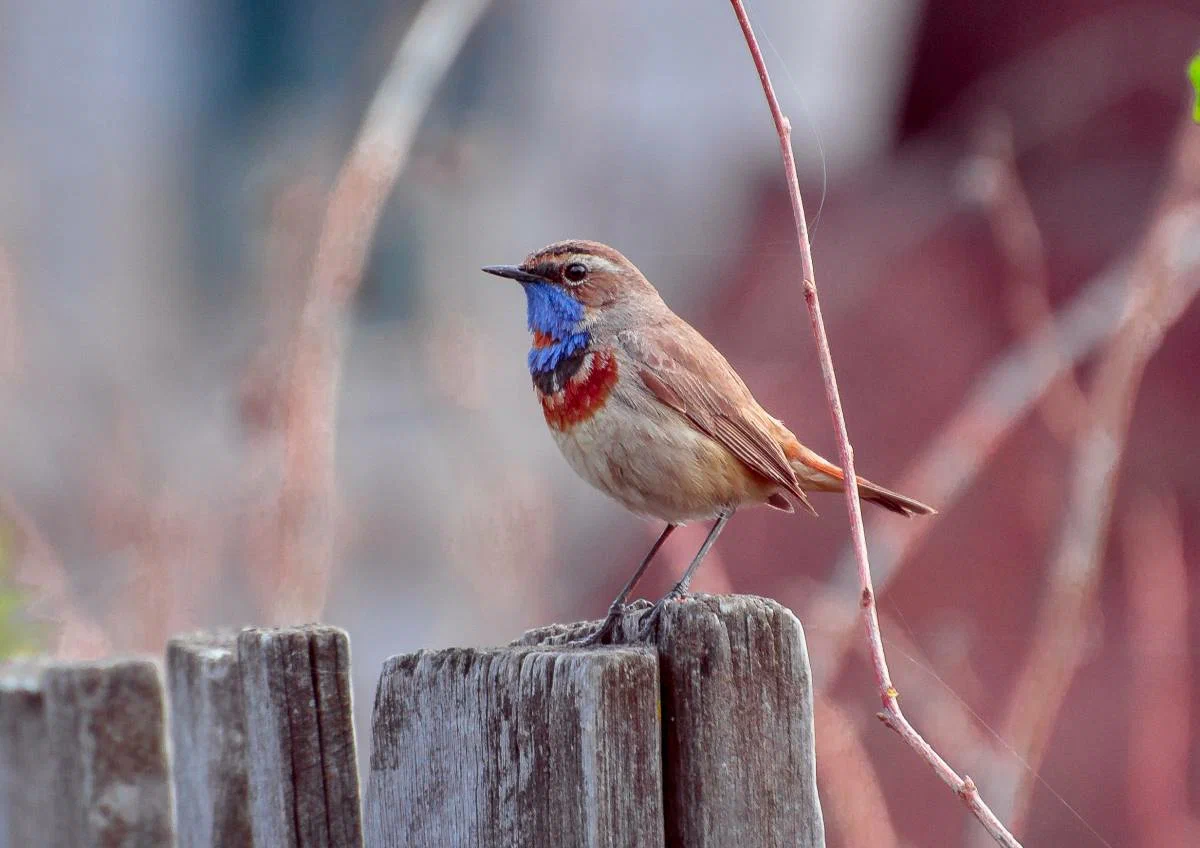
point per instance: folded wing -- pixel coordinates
(686, 373)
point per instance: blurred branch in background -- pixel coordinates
(294, 204)
(990, 178)
(287, 256)
(305, 515)
(1163, 282)
(1008, 390)
(892, 715)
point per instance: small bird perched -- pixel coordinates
(651, 414)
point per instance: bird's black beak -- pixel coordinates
(512, 272)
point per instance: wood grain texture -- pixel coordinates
(25, 799)
(516, 747)
(738, 760)
(107, 753)
(737, 714)
(302, 761)
(208, 732)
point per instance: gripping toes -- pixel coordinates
(653, 619)
(605, 634)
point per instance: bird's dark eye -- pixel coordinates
(575, 272)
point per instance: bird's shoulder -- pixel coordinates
(676, 351)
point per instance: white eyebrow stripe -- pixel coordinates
(599, 263)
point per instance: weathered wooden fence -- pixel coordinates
(705, 739)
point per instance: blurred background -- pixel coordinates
(990, 190)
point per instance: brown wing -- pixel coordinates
(686, 373)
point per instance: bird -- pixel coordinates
(649, 412)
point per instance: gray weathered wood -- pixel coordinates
(516, 747)
(107, 753)
(25, 799)
(208, 732)
(737, 713)
(302, 765)
(738, 760)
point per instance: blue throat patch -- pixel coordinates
(553, 313)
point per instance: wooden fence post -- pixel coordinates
(739, 766)
(739, 763)
(25, 801)
(703, 739)
(300, 732)
(208, 731)
(516, 747)
(84, 755)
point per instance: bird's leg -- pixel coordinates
(652, 618)
(615, 610)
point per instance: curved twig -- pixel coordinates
(891, 715)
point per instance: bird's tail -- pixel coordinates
(817, 473)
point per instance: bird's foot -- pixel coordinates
(651, 620)
(606, 633)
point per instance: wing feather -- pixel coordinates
(686, 373)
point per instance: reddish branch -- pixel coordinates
(305, 513)
(891, 715)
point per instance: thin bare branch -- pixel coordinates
(307, 499)
(295, 204)
(892, 714)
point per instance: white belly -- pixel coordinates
(656, 465)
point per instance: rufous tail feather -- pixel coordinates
(817, 473)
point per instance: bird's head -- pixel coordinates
(574, 289)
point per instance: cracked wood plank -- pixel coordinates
(739, 766)
(300, 733)
(208, 735)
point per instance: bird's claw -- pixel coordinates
(650, 623)
(606, 633)
(652, 619)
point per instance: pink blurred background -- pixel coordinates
(969, 170)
